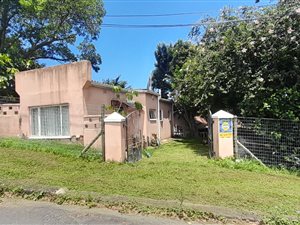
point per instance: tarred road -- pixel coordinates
(17, 211)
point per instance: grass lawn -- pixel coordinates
(179, 170)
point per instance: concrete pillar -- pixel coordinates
(115, 138)
(223, 134)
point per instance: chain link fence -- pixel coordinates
(273, 142)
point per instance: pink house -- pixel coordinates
(62, 102)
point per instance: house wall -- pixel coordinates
(166, 123)
(134, 124)
(54, 86)
(141, 98)
(95, 97)
(9, 120)
(71, 84)
(149, 101)
(92, 127)
(150, 126)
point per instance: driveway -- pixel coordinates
(19, 211)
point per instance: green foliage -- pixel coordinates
(276, 218)
(169, 62)
(129, 93)
(138, 105)
(250, 67)
(281, 221)
(162, 71)
(250, 165)
(169, 59)
(31, 30)
(116, 82)
(6, 70)
(117, 89)
(240, 164)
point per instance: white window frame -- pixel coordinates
(39, 136)
(155, 114)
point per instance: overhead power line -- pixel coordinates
(155, 15)
(144, 26)
(112, 25)
(171, 14)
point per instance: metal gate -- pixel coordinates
(210, 137)
(134, 138)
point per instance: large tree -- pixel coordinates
(169, 59)
(162, 71)
(249, 66)
(31, 30)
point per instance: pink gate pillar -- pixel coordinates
(223, 134)
(115, 140)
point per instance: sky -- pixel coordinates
(130, 52)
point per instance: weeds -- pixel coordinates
(279, 220)
(251, 165)
(276, 218)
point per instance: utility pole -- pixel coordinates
(158, 115)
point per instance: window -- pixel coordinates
(152, 114)
(161, 115)
(50, 121)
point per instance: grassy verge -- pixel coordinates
(49, 146)
(178, 171)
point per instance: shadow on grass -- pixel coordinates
(195, 145)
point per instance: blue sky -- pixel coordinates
(130, 52)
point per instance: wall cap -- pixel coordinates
(114, 118)
(223, 114)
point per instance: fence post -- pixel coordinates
(103, 132)
(235, 135)
(223, 134)
(115, 131)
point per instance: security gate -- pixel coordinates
(210, 138)
(134, 138)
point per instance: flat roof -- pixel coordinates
(101, 85)
(55, 66)
(146, 91)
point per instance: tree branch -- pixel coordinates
(45, 43)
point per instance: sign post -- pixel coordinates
(223, 134)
